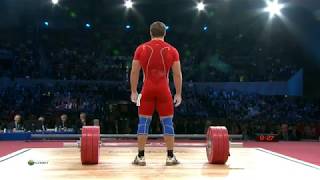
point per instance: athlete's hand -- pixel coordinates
(134, 97)
(177, 100)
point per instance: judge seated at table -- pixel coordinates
(62, 124)
(81, 122)
(2, 126)
(16, 124)
(41, 124)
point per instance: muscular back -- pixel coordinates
(156, 58)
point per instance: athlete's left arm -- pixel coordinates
(177, 78)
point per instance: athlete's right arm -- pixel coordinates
(134, 75)
(134, 79)
(177, 78)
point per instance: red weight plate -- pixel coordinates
(86, 145)
(223, 151)
(226, 144)
(95, 145)
(90, 145)
(98, 144)
(209, 148)
(217, 145)
(94, 148)
(213, 144)
(83, 147)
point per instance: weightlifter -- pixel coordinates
(156, 57)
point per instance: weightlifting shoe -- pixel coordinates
(140, 161)
(171, 161)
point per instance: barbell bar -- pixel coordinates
(129, 136)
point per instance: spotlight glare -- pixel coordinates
(167, 27)
(88, 25)
(273, 7)
(46, 23)
(128, 26)
(55, 1)
(205, 28)
(128, 4)
(200, 6)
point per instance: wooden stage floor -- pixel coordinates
(115, 163)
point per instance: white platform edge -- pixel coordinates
(11, 155)
(289, 158)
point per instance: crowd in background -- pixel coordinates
(102, 61)
(242, 113)
(103, 56)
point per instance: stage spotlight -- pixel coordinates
(273, 8)
(128, 26)
(128, 4)
(205, 28)
(167, 27)
(88, 25)
(46, 23)
(200, 6)
(55, 1)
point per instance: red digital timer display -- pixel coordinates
(267, 137)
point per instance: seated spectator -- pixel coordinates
(62, 124)
(96, 122)
(81, 122)
(1, 125)
(16, 124)
(284, 131)
(41, 124)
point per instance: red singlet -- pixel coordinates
(156, 58)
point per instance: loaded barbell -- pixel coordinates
(217, 146)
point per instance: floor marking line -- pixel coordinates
(14, 154)
(289, 158)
